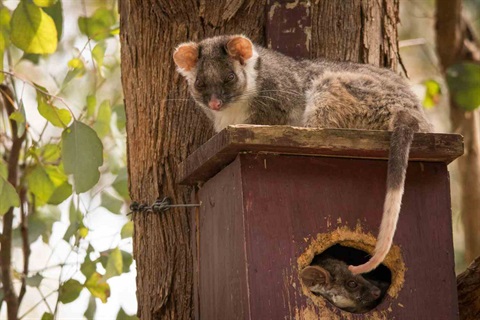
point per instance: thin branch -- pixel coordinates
(37, 304)
(60, 265)
(6, 240)
(25, 242)
(45, 299)
(12, 74)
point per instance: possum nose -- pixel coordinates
(215, 103)
(376, 293)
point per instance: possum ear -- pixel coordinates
(240, 48)
(186, 56)
(315, 277)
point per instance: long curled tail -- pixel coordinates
(404, 127)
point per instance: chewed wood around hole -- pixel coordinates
(325, 278)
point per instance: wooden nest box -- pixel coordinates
(274, 197)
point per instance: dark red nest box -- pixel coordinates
(274, 197)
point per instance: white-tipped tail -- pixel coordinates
(391, 212)
(400, 142)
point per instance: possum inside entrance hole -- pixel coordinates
(328, 276)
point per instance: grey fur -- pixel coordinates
(273, 89)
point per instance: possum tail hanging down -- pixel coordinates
(404, 128)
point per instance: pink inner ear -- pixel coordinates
(186, 56)
(240, 48)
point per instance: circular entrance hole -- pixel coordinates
(328, 276)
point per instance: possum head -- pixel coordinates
(338, 285)
(220, 71)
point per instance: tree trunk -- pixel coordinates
(358, 31)
(468, 284)
(455, 43)
(164, 126)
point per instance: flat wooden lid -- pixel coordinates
(222, 148)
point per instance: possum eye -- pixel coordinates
(199, 84)
(352, 284)
(230, 77)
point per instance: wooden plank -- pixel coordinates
(223, 290)
(222, 149)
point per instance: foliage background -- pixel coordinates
(80, 263)
(80, 243)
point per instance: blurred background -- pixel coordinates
(62, 58)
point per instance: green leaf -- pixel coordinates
(69, 291)
(102, 125)
(33, 30)
(17, 116)
(91, 105)
(39, 224)
(103, 259)
(47, 316)
(3, 45)
(127, 261)
(56, 12)
(432, 93)
(39, 183)
(74, 215)
(44, 3)
(122, 315)
(33, 58)
(34, 281)
(50, 152)
(98, 287)
(82, 154)
(88, 267)
(4, 37)
(77, 69)
(3, 169)
(98, 53)
(58, 117)
(5, 20)
(127, 230)
(99, 26)
(71, 230)
(464, 84)
(114, 264)
(119, 110)
(8, 196)
(20, 118)
(91, 309)
(121, 184)
(62, 189)
(61, 193)
(111, 203)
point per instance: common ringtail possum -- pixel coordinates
(237, 82)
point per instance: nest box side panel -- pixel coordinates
(290, 200)
(222, 283)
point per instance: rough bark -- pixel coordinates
(468, 285)
(163, 127)
(455, 43)
(358, 31)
